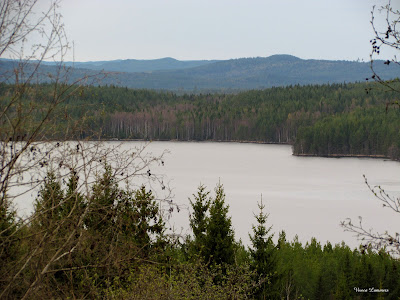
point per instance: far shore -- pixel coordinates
(345, 155)
(333, 155)
(195, 141)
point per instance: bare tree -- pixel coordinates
(386, 37)
(369, 238)
(35, 144)
(26, 114)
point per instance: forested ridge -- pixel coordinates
(338, 119)
(225, 75)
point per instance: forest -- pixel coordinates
(113, 244)
(339, 119)
(106, 238)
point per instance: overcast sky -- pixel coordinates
(218, 29)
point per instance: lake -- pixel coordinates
(307, 196)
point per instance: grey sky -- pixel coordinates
(219, 29)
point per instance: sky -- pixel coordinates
(219, 29)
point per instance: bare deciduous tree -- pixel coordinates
(35, 144)
(386, 37)
(369, 238)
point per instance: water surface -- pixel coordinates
(307, 196)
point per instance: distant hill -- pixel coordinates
(135, 65)
(225, 75)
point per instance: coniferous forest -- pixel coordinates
(339, 119)
(112, 242)
(122, 251)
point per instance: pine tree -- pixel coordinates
(263, 254)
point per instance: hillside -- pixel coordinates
(226, 75)
(322, 120)
(257, 73)
(136, 65)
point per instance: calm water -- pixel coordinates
(307, 196)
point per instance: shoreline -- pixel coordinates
(193, 141)
(381, 156)
(334, 155)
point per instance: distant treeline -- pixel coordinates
(337, 119)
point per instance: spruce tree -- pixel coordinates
(263, 255)
(392, 281)
(143, 218)
(117, 213)
(73, 200)
(219, 239)
(9, 238)
(105, 194)
(199, 220)
(48, 204)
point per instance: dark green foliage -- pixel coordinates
(74, 201)
(213, 239)
(368, 131)
(57, 212)
(127, 254)
(263, 257)
(316, 272)
(142, 216)
(337, 119)
(90, 241)
(123, 216)
(50, 202)
(391, 277)
(9, 240)
(219, 240)
(104, 202)
(199, 220)
(7, 224)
